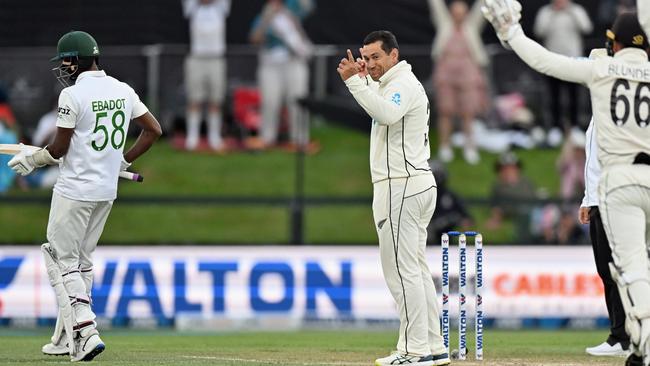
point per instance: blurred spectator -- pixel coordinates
(283, 72)
(46, 129)
(571, 164)
(451, 213)
(459, 80)
(569, 230)
(557, 224)
(509, 197)
(8, 135)
(552, 224)
(205, 69)
(561, 26)
(44, 135)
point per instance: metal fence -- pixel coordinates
(156, 73)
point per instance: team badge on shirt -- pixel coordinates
(397, 98)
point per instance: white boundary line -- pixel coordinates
(510, 362)
(275, 362)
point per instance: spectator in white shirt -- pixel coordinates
(205, 69)
(44, 135)
(283, 70)
(561, 26)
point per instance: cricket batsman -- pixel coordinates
(404, 191)
(92, 124)
(619, 83)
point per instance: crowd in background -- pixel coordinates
(282, 74)
(462, 98)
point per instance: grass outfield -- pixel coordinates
(304, 348)
(340, 169)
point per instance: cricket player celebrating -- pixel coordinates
(620, 98)
(92, 124)
(404, 191)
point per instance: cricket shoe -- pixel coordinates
(56, 349)
(88, 347)
(398, 358)
(606, 349)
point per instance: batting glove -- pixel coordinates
(29, 159)
(504, 15)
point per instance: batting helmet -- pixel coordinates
(77, 50)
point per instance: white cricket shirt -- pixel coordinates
(562, 30)
(620, 95)
(399, 107)
(207, 26)
(45, 129)
(99, 108)
(592, 168)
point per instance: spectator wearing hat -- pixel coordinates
(511, 196)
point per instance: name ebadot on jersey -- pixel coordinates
(108, 105)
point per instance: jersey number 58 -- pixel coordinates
(117, 136)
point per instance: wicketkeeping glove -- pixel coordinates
(504, 15)
(29, 159)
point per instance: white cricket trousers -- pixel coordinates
(280, 83)
(402, 209)
(624, 192)
(73, 229)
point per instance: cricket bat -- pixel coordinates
(13, 149)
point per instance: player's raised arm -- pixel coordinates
(644, 14)
(475, 16)
(504, 16)
(189, 7)
(385, 109)
(439, 13)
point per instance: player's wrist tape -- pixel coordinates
(42, 157)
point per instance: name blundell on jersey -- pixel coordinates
(628, 71)
(107, 105)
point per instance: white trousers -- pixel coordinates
(624, 192)
(205, 79)
(73, 229)
(402, 209)
(280, 83)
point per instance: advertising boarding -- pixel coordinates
(236, 284)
